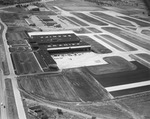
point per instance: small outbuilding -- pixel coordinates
(33, 8)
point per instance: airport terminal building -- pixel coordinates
(57, 42)
(46, 44)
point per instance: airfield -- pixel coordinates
(104, 71)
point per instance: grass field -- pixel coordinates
(115, 64)
(89, 19)
(119, 43)
(130, 91)
(3, 55)
(96, 47)
(16, 36)
(144, 56)
(112, 19)
(11, 104)
(109, 43)
(146, 32)
(94, 30)
(141, 73)
(69, 20)
(129, 37)
(19, 29)
(20, 49)
(81, 31)
(6, 17)
(138, 22)
(77, 21)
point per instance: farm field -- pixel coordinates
(49, 87)
(24, 63)
(129, 37)
(96, 47)
(11, 104)
(119, 43)
(112, 19)
(85, 85)
(63, 87)
(89, 19)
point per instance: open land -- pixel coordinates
(109, 81)
(12, 111)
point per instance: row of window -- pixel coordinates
(61, 45)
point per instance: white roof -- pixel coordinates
(49, 33)
(30, 7)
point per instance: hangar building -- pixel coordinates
(58, 42)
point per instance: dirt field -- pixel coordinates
(49, 87)
(85, 85)
(71, 86)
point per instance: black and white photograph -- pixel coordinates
(74, 59)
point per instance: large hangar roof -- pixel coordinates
(55, 39)
(49, 33)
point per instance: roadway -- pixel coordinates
(12, 76)
(3, 111)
